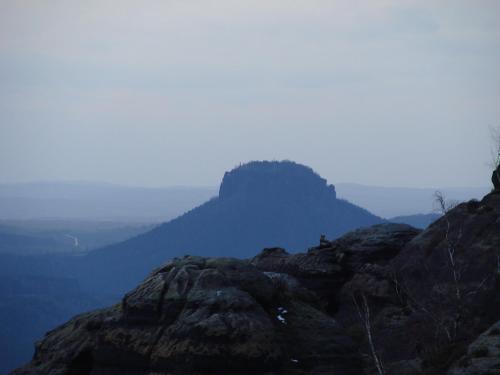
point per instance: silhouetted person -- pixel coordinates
(323, 242)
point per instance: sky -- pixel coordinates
(175, 92)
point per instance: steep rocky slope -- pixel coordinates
(429, 312)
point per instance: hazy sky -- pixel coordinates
(154, 93)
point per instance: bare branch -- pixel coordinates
(451, 245)
(364, 315)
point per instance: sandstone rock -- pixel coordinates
(202, 316)
(483, 355)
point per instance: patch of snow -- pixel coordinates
(273, 275)
(294, 360)
(282, 311)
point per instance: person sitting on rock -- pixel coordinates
(323, 242)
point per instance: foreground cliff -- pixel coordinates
(386, 299)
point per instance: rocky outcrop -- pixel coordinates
(436, 295)
(483, 355)
(325, 269)
(495, 178)
(449, 280)
(201, 315)
(427, 296)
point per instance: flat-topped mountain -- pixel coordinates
(267, 180)
(260, 204)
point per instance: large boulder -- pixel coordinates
(445, 288)
(325, 269)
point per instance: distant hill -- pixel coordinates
(420, 221)
(388, 202)
(260, 204)
(97, 201)
(14, 243)
(85, 201)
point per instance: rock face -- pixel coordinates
(483, 355)
(305, 313)
(201, 315)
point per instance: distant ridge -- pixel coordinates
(388, 202)
(260, 204)
(98, 201)
(420, 221)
